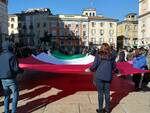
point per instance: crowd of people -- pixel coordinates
(105, 62)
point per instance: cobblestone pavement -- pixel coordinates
(52, 93)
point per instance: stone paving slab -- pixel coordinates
(74, 99)
(87, 108)
(118, 109)
(135, 108)
(62, 108)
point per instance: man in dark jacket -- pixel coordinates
(8, 71)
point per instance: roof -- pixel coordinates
(89, 9)
(102, 18)
(131, 14)
(128, 21)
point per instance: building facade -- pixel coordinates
(69, 32)
(13, 30)
(127, 31)
(29, 26)
(88, 29)
(144, 23)
(102, 30)
(3, 19)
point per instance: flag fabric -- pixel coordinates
(50, 63)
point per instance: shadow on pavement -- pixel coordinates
(39, 83)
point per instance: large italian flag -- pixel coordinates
(60, 63)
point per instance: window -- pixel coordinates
(84, 26)
(86, 14)
(38, 25)
(110, 40)
(12, 19)
(31, 27)
(69, 25)
(62, 42)
(101, 32)
(111, 24)
(111, 32)
(69, 42)
(44, 24)
(101, 40)
(93, 14)
(84, 33)
(93, 31)
(90, 14)
(77, 33)
(101, 24)
(61, 25)
(143, 25)
(127, 27)
(135, 27)
(12, 25)
(93, 24)
(54, 24)
(94, 40)
(77, 25)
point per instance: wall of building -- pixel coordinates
(144, 23)
(102, 31)
(3, 19)
(128, 29)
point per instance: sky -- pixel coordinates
(116, 9)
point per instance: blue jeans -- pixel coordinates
(103, 88)
(10, 86)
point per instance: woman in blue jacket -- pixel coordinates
(103, 66)
(139, 61)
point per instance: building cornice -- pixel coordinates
(144, 14)
(125, 21)
(102, 18)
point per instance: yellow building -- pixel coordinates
(127, 31)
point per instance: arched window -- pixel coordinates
(93, 14)
(90, 14)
